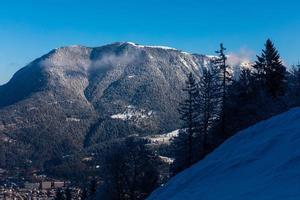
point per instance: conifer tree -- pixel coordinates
(183, 146)
(270, 72)
(208, 101)
(130, 170)
(245, 85)
(188, 110)
(220, 62)
(295, 77)
(180, 151)
(296, 74)
(294, 85)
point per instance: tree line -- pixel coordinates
(216, 106)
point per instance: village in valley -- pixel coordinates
(16, 185)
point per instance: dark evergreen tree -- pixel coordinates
(220, 62)
(295, 78)
(189, 114)
(130, 170)
(245, 85)
(179, 149)
(209, 100)
(242, 103)
(251, 98)
(293, 86)
(270, 72)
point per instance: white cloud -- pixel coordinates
(242, 56)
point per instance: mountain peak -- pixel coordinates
(150, 46)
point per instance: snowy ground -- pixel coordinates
(259, 163)
(132, 112)
(163, 138)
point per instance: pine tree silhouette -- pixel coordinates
(220, 62)
(208, 102)
(270, 72)
(189, 114)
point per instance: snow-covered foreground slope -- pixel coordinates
(261, 162)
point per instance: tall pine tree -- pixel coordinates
(220, 62)
(270, 72)
(296, 78)
(208, 102)
(130, 170)
(189, 114)
(294, 85)
(245, 85)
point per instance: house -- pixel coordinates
(58, 184)
(31, 186)
(45, 185)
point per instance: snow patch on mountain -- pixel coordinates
(131, 76)
(166, 159)
(72, 119)
(132, 113)
(149, 46)
(164, 138)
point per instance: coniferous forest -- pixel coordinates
(149, 100)
(215, 107)
(121, 121)
(213, 115)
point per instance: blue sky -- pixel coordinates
(29, 29)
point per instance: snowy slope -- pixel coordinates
(261, 162)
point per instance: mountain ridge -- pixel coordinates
(72, 97)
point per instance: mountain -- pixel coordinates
(78, 97)
(261, 162)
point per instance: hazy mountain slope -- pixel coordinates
(78, 96)
(43, 107)
(261, 162)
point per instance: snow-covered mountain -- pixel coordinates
(76, 97)
(261, 163)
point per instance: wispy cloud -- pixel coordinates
(114, 59)
(243, 55)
